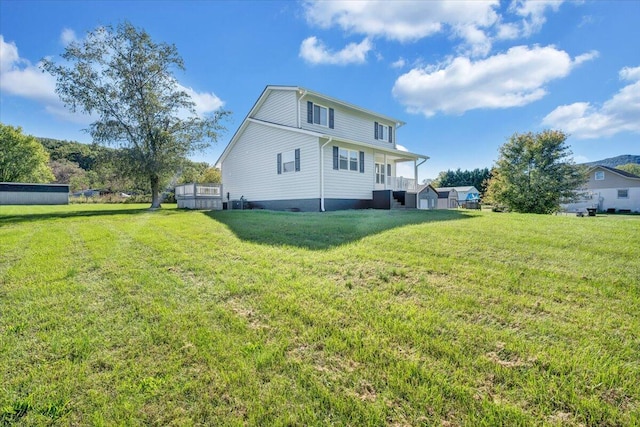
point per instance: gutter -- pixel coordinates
(299, 101)
(322, 173)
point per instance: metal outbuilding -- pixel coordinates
(18, 193)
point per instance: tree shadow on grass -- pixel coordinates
(319, 231)
(65, 214)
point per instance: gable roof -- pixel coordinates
(304, 92)
(423, 187)
(618, 171)
(264, 95)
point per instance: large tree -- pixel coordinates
(126, 81)
(535, 173)
(22, 157)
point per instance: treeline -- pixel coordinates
(92, 166)
(463, 178)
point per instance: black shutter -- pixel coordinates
(390, 133)
(309, 112)
(388, 170)
(331, 118)
(279, 163)
(375, 130)
(362, 162)
(297, 160)
(335, 157)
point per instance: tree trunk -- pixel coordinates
(155, 192)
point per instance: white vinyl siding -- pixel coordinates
(348, 124)
(608, 198)
(279, 107)
(348, 184)
(250, 169)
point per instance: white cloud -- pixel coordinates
(206, 102)
(619, 114)
(399, 20)
(533, 14)
(475, 23)
(19, 77)
(399, 63)
(511, 79)
(68, 36)
(314, 52)
(406, 21)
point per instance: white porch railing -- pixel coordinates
(400, 183)
(198, 190)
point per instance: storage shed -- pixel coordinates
(427, 197)
(18, 193)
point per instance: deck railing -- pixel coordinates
(199, 190)
(400, 183)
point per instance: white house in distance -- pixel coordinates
(303, 151)
(609, 189)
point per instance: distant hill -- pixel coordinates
(612, 162)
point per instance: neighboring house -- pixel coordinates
(608, 189)
(301, 150)
(447, 198)
(427, 197)
(18, 193)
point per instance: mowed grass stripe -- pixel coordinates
(354, 318)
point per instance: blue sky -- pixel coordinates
(464, 76)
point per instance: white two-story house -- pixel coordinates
(303, 151)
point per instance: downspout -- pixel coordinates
(415, 166)
(299, 111)
(322, 173)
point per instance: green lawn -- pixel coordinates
(115, 315)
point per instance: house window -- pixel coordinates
(289, 161)
(350, 160)
(380, 173)
(623, 194)
(320, 115)
(382, 132)
(599, 175)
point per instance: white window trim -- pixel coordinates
(313, 115)
(599, 176)
(622, 189)
(289, 157)
(349, 153)
(383, 132)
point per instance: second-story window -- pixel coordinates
(320, 115)
(382, 132)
